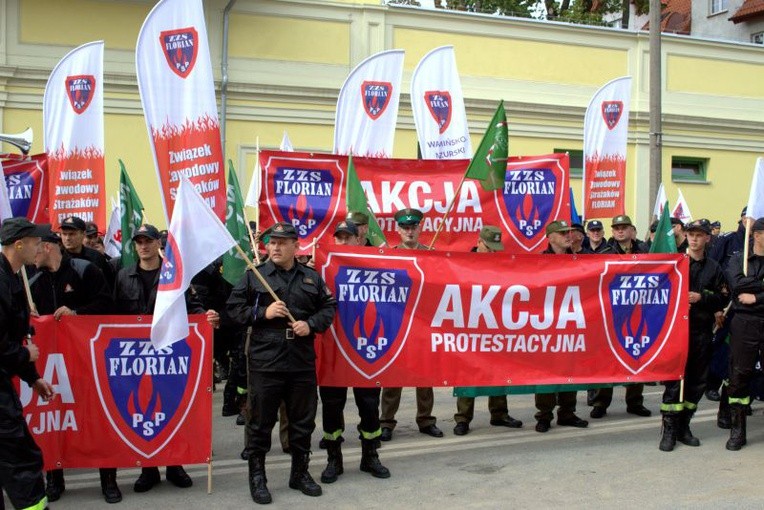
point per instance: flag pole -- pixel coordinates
(257, 176)
(448, 211)
(262, 280)
(746, 245)
(27, 290)
(209, 476)
(251, 235)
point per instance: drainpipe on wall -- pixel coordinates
(224, 76)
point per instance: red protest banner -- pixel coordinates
(119, 402)
(308, 190)
(418, 318)
(27, 182)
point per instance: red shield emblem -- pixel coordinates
(180, 48)
(304, 192)
(171, 273)
(611, 113)
(376, 96)
(640, 303)
(535, 192)
(375, 308)
(146, 393)
(439, 104)
(80, 91)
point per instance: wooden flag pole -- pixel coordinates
(262, 280)
(681, 390)
(257, 176)
(746, 244)
(209, 476)
(252, 241)
(448, 211)
(28, 290)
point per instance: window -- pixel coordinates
(757, 38)
(688, 169)
(576, 161)
(718, 6)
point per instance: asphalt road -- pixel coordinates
(615, 463)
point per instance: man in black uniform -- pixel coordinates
(333, 401)
(746, 340)
(489, 241)
(409, 229)
(282, 358)
(622, 244)
(73, 239)
(595, 239)
(707, 295)
(679, 235)
(20, 458)
(558, 235)
(135, 293)
(361, 220)
(67, 286)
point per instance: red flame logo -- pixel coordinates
(636, 326)
(146, 400)
(301, 213)
(527, 211)
(369, 325)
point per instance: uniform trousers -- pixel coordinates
(21, 472)
(333, 400)
(391, 400)
(545, 402)
(695, 375)
(465, 408)
(746, 344)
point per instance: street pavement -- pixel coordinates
(615, 463)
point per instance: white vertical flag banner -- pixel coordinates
(112, 239)
(5, 201)
(196, 238)
(437, 103)
(681, 209)
(72, 111)
(178, 96)
(756, 197)
(255, 185)
(660, 202)
(286, 143)
(367, 107)
(606, 128)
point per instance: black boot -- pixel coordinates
(737, 432)
(333, 461)
(299, 478)
(370, 460)
(230, 399)
(109, 488)
(723, 420)
(668, 437)
(683, 433)
(257, 480)
(54, 486)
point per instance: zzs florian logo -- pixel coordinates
(375, 308)
(639, 309)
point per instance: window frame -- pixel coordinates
(702, 166)
(723, 6)
(575, 172)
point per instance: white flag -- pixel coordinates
(437, 104)
(606, 128)
(367, 107)
(175, 81)
(756, 197)
(196, 238)
(5, 201)
(660, 201)
(72, 111)
(681, 209)
(255, 184)
(286, 143)
(112, 239)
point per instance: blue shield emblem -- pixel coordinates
(304, 192)
(639, 305)
(145, 393)
(376, 96)
(24, 181)
(180, 48)
(534, 194)
(80, 91)
(439, 104)
(171, 272)
(375, 308)
(611, 113)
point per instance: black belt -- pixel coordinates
(288, 332)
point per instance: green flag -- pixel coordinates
(355, 200)
(131, 209)
(234, 265)
(489, 164)
(664, 241)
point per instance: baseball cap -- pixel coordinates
(594, 225)
(347, 227)
(358, 217)
(716, 224)
(676, 221)
(491, 236)
(50, 237)
(558, 226)
(148, 231)
(74, 223)
(14, 229)
(408, 216)
(283, 231)
(578, 226)
(91, 229)
(654, 226)
(701, 225)
(621, 219)
(758, 225)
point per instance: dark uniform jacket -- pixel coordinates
(636, 247)
(707, 279)
(130, 299)
(99, 260)
(726, 245)
(603, 247)
(78, 285)
(307, 298)
(14, 357)
(751, 284)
